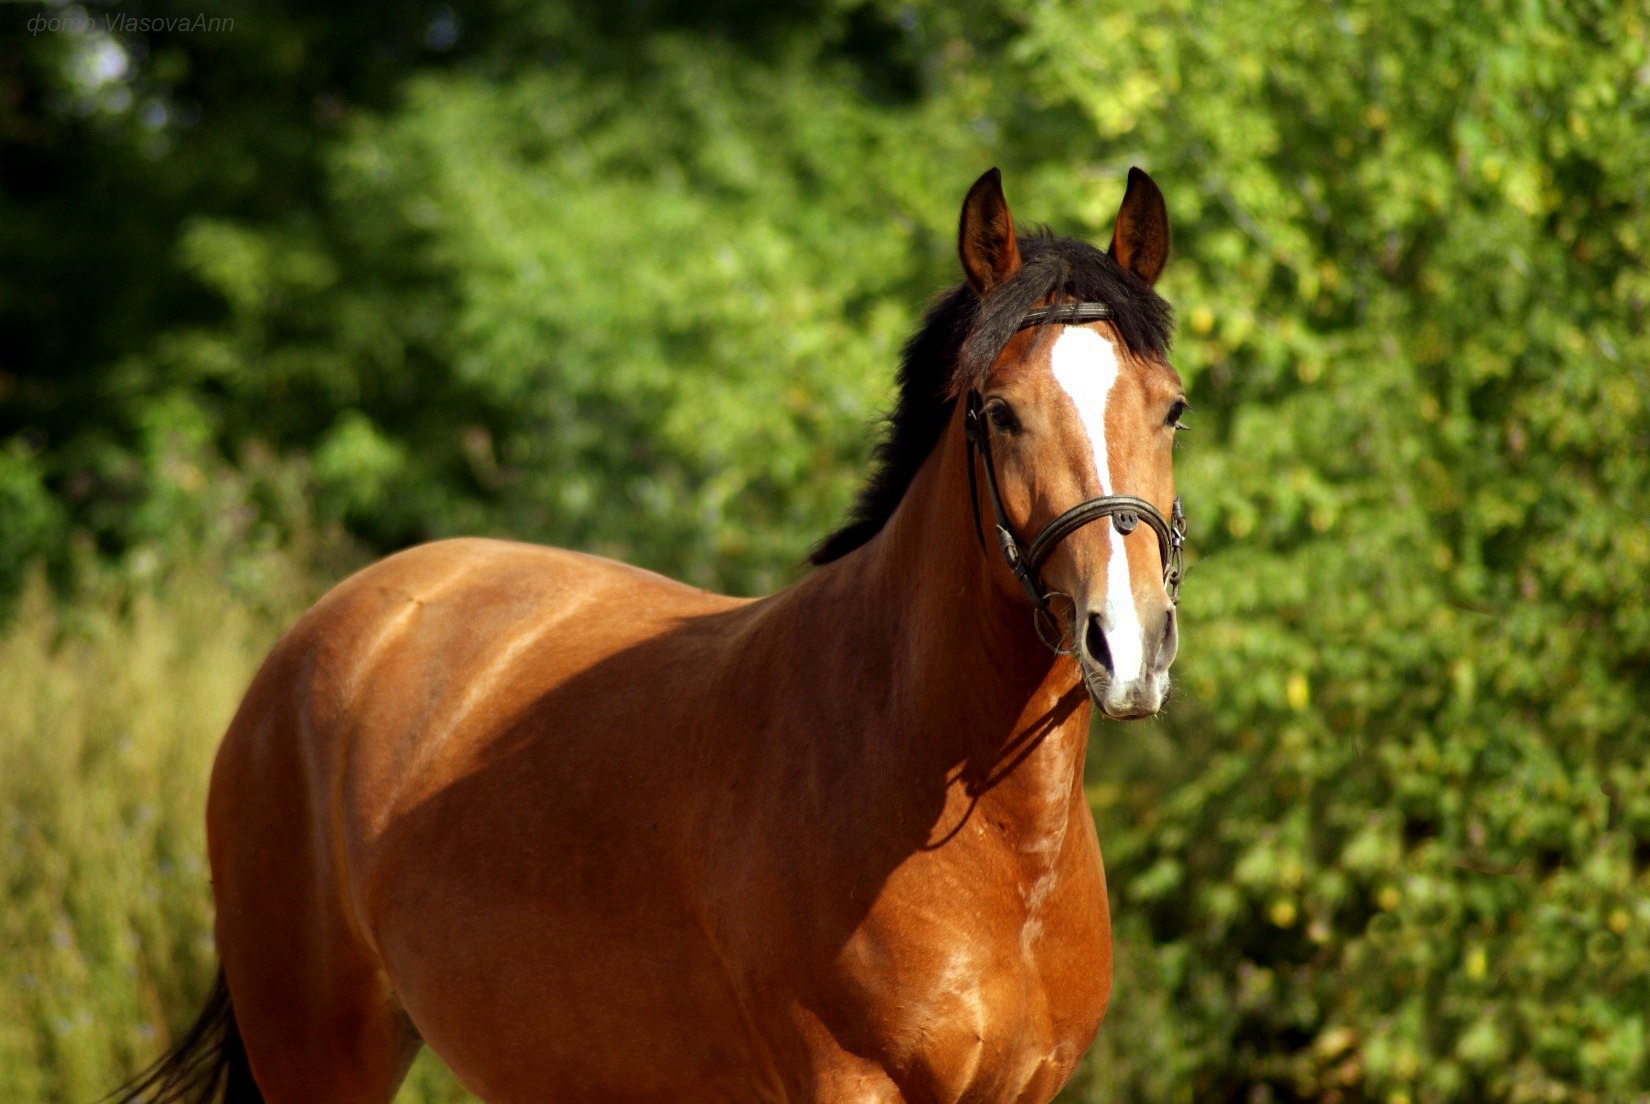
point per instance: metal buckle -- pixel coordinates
(1176, 566)
(1065, 641)
(1010, 547)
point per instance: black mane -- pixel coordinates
(959, 341)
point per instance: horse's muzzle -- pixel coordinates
(1143, 692)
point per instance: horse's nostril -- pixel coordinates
(1170, 643)
(1094, 643)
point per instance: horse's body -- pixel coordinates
(587, 843)
(595, 835)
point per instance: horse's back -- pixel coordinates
(424, 666)
(454, 623)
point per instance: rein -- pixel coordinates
(1126, 511)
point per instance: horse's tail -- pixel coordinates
(210, 1055)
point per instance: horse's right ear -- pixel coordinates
(985, 235)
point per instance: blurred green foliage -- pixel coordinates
(114, 707)
(633, 277)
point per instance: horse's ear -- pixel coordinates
(1140, 241)
(985, 235)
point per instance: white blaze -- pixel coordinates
(1085, 367)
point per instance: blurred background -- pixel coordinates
(286, 286)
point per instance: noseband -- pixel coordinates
(1126, 511)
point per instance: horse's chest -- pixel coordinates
(985, 992)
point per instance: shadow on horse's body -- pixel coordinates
(592, 834)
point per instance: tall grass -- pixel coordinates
(110, 710)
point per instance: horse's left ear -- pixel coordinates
(1140, 241)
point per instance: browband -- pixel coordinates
(1066, 314)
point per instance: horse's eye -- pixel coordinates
(1175, 411)
(1002, 417)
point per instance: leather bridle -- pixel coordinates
(1126, 511)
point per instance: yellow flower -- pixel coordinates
(1297, 692)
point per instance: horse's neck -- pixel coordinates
(974, 696)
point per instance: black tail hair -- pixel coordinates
(208, 1057)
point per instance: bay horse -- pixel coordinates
(594, 835)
